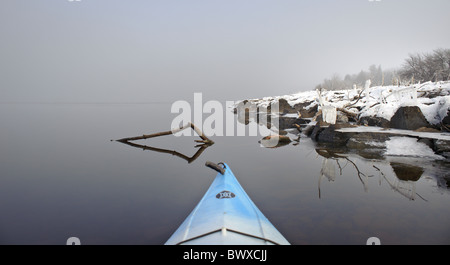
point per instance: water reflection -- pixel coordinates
(402, 177)
(407, 176)
(191, 159)
(405, 172)
(328, 171)
(204, 143)
(331, 159)
(73, 183)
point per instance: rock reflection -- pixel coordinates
(407, 172)
(407, 176)
(400, 174)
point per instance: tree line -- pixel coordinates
(418, 67)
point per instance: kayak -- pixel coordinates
(226, 216)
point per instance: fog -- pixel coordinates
(166, 50)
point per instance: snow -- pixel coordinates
(384, 101)
(301, 97)
(373, 129)
(407, 146)
(433, 98)
(379, 101)
(329, 114)
(290, 115)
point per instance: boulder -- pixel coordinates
(374, 121)
(283, 106)
(304, 111)
(288, 122)
(341, 117)
(246, 111)
(275, 141)
(308, 130)
(330, 135)
(316, 131)
(408, 118)
(446, 120)
(442, 147)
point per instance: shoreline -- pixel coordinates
(354, 118)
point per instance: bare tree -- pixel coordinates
(427, 66)
(419, 67)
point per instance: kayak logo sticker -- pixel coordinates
(225, 195)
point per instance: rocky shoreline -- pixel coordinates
(363, 119)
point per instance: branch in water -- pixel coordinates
(205, 140)
(174, 153)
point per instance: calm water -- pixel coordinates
(61, 176)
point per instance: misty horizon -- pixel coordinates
(163, 51)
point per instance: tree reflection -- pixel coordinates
(402, 179)
(328, 170)
(407, 176)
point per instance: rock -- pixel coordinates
(446, 120)
(374, 121)
(318, 128)
(283, 106)
(246, 111)
(239, 107)
(408, 118)
(308, 130)
(262, 118)
(304, 112)
(442, 147)
(427, 141)
(331, 136)
(426, 129)
(288, 122)
(274, 141)
(365, 141)
(341, 117)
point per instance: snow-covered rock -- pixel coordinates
(408, 118)
(407, 146)
(395, 111)
(381, 102)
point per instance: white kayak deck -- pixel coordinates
(226, 216)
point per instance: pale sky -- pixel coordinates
(166, 50)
